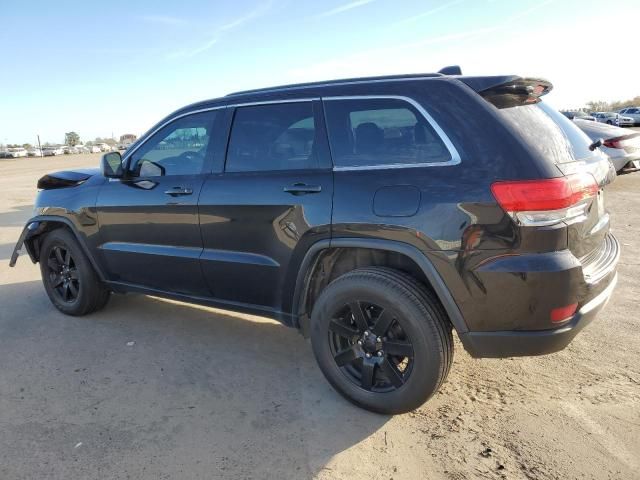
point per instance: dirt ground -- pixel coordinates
(204, 393)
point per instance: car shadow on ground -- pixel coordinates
(6, 249)
(17, 216)
(151, 388)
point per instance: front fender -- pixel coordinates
(39, 225)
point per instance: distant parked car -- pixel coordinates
(613, 118)
(94, 149)
(82, 149)
(104, 147)
(577, 114)
(621, 146)
(69, 150)
(52, 151)
(16, 152)
(632, 112)
(34, 152)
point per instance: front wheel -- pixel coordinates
(381, 339)
(68, 277)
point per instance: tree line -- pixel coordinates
(603, 106)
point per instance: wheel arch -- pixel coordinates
(409, 256)
(39, 226)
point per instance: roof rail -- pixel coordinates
(414, 76)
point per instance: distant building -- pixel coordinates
(127, 138)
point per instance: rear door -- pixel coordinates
(272, 201)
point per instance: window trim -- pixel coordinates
(147, 137)
(455, 156)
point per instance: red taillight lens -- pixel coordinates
(562, 314)
(542, 195)
(623, 142)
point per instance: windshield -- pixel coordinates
(549, 133)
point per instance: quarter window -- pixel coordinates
(180, 148)
(272, 137)
(374, 132)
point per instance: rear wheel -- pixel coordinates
(68, 277)
(381, 339)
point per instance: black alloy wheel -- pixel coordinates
(71, 282)
(370, 346)
(63, 274)
(381, 339)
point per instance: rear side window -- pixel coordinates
(272, 137)
(378, 132)
(552, 135)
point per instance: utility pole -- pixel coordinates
(39, 146)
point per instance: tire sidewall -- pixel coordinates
(85, 273)
(427, 361)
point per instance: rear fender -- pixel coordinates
(430, 272)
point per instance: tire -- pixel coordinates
(68, 277)
(609, 122)
(381, 339)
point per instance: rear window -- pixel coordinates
(549, 133)
(374, 132)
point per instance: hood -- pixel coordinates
(596, 130)
(67, 178)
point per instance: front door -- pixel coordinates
(272, 201)
(149, 230)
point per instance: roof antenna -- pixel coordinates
(451, 70)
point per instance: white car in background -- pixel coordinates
(104, 147)
(68, 150)
(94, 149)
(34, 152)
(52, 151)
(632, 112)
(16, 152)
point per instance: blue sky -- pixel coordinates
(119, 66)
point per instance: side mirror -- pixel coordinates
(111, 165)
(597, 144)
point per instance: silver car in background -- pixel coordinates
(620, 145)
(613, 118)
(632, 112)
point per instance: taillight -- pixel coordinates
(548, 201)
(623, 142)
(562, 314)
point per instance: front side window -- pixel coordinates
(179, 148)
(375, 132)
(272, 137)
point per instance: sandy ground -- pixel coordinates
(210, 394)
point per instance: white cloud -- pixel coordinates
(219, 32)
(428, 13)
(344, 8)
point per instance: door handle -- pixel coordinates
(302, 189)
(177, 191)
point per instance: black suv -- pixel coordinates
(375, 215)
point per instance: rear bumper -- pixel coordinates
(536, 342)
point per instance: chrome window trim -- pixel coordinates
(129, 154)
(455, 156)
(208, 109)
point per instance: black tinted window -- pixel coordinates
(179, 148)
(272, 137)
(549, 133)
(371, 132)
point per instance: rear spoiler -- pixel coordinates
(509, 91)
